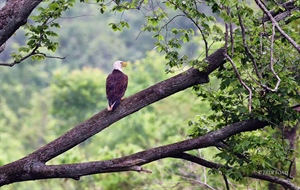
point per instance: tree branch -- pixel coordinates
(33, 52)
(285, 183)
(266, 11)
(279, 15)
(241, 81)
(31, 168)
(13, 15)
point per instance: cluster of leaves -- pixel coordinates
(41, 31)
(163, 22)
(257, 150)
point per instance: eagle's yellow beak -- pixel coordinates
(124, 64)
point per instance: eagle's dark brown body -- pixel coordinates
(116, 85)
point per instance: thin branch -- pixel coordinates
(246, 46)
(140, 5)
(242, 82)
(226, 181)
(253, 59)
(196, 24)
(226, 37)
(272, 60)
(278, 14)
(73, 17)
(29, 55)
(167, 23)
(197, 181)
(266, 11)
(231, 39)
(273, 179)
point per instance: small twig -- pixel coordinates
(226, 181)
(231, 39)
(167, 23)
(253, 59)
(242, 82)
(230, 27)
(272, 60)
(73, 17)
(246, 46)
(199, 28)
(266, 11)
(197, 181)
(226, 37)
(29, 55)
(2, 47)
(290, 168)
(139, 169)
(140, 5)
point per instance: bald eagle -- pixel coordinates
(116, 85)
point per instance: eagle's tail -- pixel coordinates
(112, 106)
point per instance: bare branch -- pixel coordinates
(231, 39)
(167, 23)
(197, 182)
(242, 82)
(266, 11)
(246, 46)
(226, 181)
(253, 59)
(29, 55)
(278, 14)
(285, 183)
(226, 36)
(197, 25)
(272, 60)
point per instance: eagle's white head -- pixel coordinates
(118, 65)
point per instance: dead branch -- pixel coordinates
(285, 183)
(266, 11)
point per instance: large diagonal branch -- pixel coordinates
(13, 15)
(104, 118)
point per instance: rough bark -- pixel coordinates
(13, 15)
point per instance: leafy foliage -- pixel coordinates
(40, 34)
